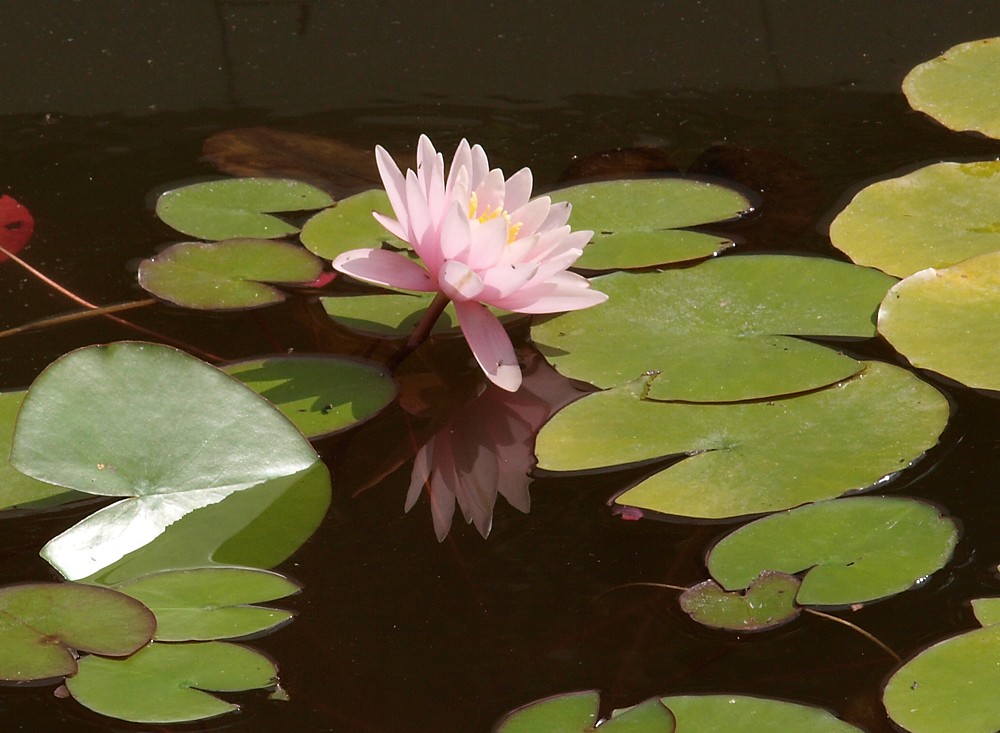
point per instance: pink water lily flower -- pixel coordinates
(483, 242)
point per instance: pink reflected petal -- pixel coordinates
(490, 344)
(382, 267)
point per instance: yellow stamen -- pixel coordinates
(512, 229)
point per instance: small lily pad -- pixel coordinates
(577, 712)
(933, 217)
(987, 611)
(199, 604)
(958, 88)
(767, 603)
(395, 315)
(750, 458)
(238, 207)
(638, 223)
(42, 623)
(745, 714)
(946, 320)
(719, 331)
(228, 275)
(167, 683)
(852, 550)
(350, 225)
(321, 395)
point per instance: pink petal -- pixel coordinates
(490, 193)
(458, 281)
(490, 344)
(420, 222)
(518, 190)
(558, 215)
(529, 217)
(394, 184)
(507, 279)
(430, 171)
(420, 474)
(456, 237)
(488, 240)
(479, 168)
(462, 159)
(392, 226)
(564, 292)
(382, 267)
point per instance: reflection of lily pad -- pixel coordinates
(637, 223)
(577, 712)
(211, 603)
(933, 217)
(40, 623)
(166, 683)
(349, 225)
(744, 714)
(319, 394)
(155, 426)
(235, 273)
(768, 602)
(852, 550)
(948, 320)
(749, 458)
(238, 207)
(719, 331)
(959, 87)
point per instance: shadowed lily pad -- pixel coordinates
(228, 275)
(637, 223)
(238, 207)
(41, 623)
(720, 331)
(959, 87)
(749, 458)
(348, 225)
(154, 425)
(947, 320)
(767, 603)
(933, 217)
(166, 683)
(745, 714)
(577, 712)
(851, 550)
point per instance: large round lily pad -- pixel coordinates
(349, 225)
(852, 550)
(745, 714)
(749, 458)
(719, 331)
(933, 217)
(638, 223)
(959, 87)
(577, 712)
(948, 320)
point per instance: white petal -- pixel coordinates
(462, 159)
(490, 344)
(518, 190)
(394, 184)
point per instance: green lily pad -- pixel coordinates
(238, 207)
(228, 275)
(933, 217)
(958, 88)
(350, 225)
(17, 489)
(211, 603)
(321, 395)
(951, 686)
(636, 222)
(41, 623)
(946, 320)
(258, 527)
(167, 683)
(720, 331)
(745, 714)
(852, 550)
(154, 425)
(768, 602)
(395, 315)
(987, 610)
(577, 712)
(749, 458)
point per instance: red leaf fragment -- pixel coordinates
(16, 226)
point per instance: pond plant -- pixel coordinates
(208, 476)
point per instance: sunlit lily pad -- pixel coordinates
(851, 550)
(744, 714)
(637, 223)
(933, 217)
(948, 320)
(42, 623)
(719, 331)
(167, 683)
(319, 394)
(959, 87)
(577, 712)
(768, 602)
(227, 275)
(750, 458)
(154, 425)
(238, 207)
(211, 603)
(394, 315)
(952, 686)
(349, 225)
(987, 611)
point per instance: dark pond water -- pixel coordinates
(397, 632)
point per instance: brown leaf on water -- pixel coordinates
(335, 166)
(618, 163)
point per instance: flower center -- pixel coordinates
(489, 213)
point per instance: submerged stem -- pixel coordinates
(421, 332)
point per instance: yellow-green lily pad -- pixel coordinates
(746, 714)
(348, 225)
(577, 712)
(769, 601)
